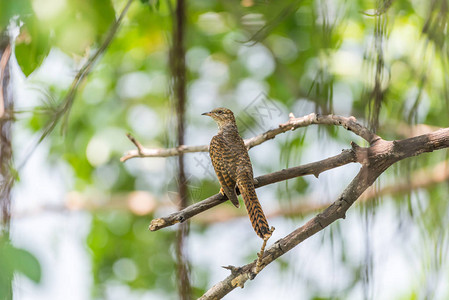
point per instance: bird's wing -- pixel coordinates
(224, 162)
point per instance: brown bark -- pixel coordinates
(377, 158)
(347, 156)
(6, 121)
(292, 124)
(178, 70)
(374, 159)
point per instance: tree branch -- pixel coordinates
(293, 123)
(424, 178)
(335, 211)
(375, 159)
(347, 156)
(381, 155)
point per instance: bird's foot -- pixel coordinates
(262, 250)
(222, 191)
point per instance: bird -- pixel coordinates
(233, 168)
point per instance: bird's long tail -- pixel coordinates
(255, 212)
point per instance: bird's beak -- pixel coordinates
(206, 114)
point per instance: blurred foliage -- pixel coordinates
(305, 56)
(14, 260)
(144, 260)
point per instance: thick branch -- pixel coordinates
(335, 211)
(381, 155)
(292, 124)
(423, 178)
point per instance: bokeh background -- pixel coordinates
(79, 216)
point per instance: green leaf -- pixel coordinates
(14, 260)
(27, 264)
(32, 47)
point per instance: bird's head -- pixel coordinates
(222, 116)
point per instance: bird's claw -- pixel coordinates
(262, 250)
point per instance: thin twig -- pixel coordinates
(160, 152)
(135, 142)
(293, 123)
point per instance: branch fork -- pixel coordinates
(374, 160)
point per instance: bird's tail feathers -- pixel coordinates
(255, 212)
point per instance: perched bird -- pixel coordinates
(233, 168)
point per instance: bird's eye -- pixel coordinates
(219, 111)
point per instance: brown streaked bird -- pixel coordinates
(233, 168)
